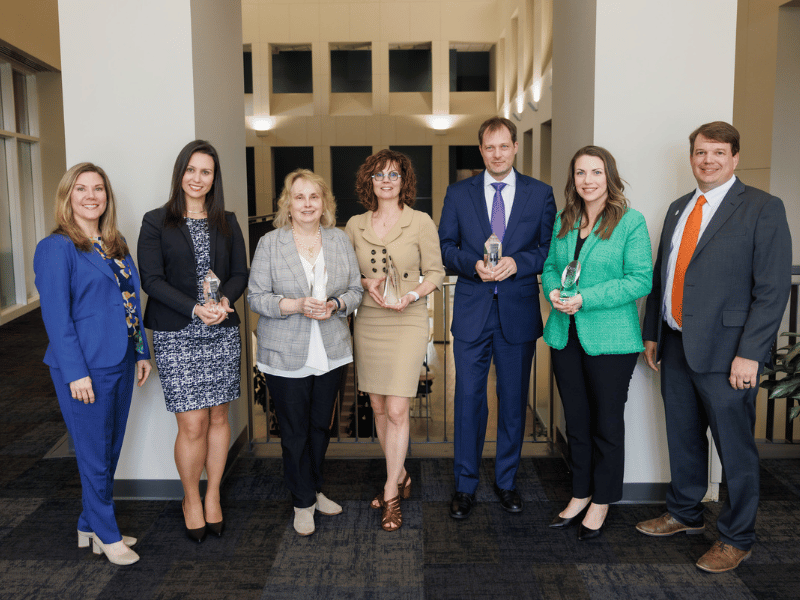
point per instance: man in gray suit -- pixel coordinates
(720, 286)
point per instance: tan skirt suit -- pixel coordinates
(390, 346)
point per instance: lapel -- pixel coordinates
(729, 204)
(670, 222)
(397, 230)
(521, 197)
(212, 247)
(479, 203)
(588, 245)
(98, 261)
(291, 258)
(184, 229)
(331, 259)
(364, 223)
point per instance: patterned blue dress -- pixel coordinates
(199, 365)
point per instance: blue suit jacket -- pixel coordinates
(463, 229)
(82, 308)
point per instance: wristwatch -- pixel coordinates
(413, 293)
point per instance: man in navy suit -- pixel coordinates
(495, 310)
(720, 286)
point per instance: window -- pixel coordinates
(247, 60)
(422, 161)
(351, 68)
(286, 159)
(345, 161)
(470, 70)
(291, 70)
(410, 68)
(21, 206)
(465, 161)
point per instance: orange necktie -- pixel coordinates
(688, 243)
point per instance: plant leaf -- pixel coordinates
(794, 412)
(785, 388)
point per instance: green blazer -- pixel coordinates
(614, 273)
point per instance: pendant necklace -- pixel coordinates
(308, 248)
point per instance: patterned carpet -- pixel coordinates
(491, 555)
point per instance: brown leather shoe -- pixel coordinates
(722, 557)
(666, 525)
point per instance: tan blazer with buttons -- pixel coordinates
(413, 244)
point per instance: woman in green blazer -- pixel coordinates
(595, 336)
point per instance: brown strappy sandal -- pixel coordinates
(392, 518)
(403, 490)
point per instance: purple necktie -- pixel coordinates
(498, 214)
(498, 211)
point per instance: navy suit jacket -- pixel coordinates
(82, 308)
(736, 285)
(464, 228)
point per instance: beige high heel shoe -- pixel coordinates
(85, 538)
(126, 558)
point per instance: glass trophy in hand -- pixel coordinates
(391, 289)
(211, 293)
(492, 251)
(569, 279)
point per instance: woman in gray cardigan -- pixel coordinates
(304, 282)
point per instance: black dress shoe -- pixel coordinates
(562, 522)
(510, 500)
(216, 528)
(196, 535)
(584, 533)
(461, 505)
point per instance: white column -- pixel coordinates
(635, 77)
(140, 81)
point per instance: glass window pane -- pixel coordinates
(7, 295)
(2, 126)
(21, 103)
(27, 212)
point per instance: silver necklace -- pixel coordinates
(195, 212)
(308, 248)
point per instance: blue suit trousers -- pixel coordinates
(97, 430)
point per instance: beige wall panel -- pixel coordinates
(328, 132)
(350, 131)
(33, 28)
(410, 103)
(466, 103)
(350, 104)
(290, 132)
(426, 20)
(51, 132)
(273, 22)
(303, 23)
(365, 21)
(476, 20)
(250, 21)
(758, 178)
(334, 22)
(314, 130)
(387, 126)
(292, 105)
(395, 22)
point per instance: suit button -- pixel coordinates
(405, 275)
(374, 270)
(383, 260)
(372, 260)
(384, 269)
(373, 251)
(384, 250)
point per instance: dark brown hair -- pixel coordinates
(495, 123)
(575, 215)
(215, 199)
(717, 131)
(375, 164)
(113, 242)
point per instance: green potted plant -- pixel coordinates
(785, 360)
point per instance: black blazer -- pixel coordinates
(168, 268)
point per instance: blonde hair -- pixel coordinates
(113, 242)
(284, 219)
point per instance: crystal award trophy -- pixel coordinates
(211, 292)
(492, 251)
(391, 289)
(569, 279)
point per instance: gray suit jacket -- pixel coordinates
(276, 273)
(736, 285)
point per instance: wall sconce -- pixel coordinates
(262, 125)
(439, 123)
(517, 117)
(536, 91)
(534, 106)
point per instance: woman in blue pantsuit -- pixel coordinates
(89, 294)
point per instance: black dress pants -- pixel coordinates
(304, 407)
(593, 391)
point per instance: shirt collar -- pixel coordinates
(714, 197)
(509, 179)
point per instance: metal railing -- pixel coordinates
(431, 416)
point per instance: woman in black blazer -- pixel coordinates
(196, 340)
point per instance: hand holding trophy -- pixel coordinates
(211, 293)
(492, 251)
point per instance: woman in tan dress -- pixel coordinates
(391, 339)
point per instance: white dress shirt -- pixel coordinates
(713, 200)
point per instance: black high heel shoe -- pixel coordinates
(562, 523)
(584, 533)
(196, 535)
(216, 528)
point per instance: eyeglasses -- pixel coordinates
(392, 176)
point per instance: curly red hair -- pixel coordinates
(375, 164)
